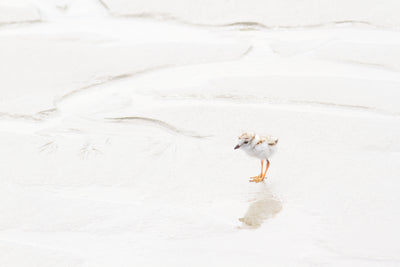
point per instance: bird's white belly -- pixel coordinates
(264, 152)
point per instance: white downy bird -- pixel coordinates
(261, 147)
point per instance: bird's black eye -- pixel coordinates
(245, 142)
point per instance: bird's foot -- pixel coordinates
(257, 179)
(257, 176)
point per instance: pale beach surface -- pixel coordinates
(118, 120)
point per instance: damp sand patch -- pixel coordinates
(265, 206)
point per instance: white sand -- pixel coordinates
(117, 137)
(17, 11)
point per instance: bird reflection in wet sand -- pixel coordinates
(265, 206)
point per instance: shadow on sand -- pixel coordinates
(264, 206)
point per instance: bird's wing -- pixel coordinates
(270, 140)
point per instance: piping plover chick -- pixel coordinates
(261, 147)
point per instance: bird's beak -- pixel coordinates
(236, 147)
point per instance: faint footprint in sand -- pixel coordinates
(87, 150)
(265, 206)
(49, 147)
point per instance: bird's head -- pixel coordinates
(245, 139)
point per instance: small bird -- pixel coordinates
(261, 147)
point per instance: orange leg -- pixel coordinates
(262, 177)
(266, 169)
(261, 173)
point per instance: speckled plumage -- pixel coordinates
(261, 147)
